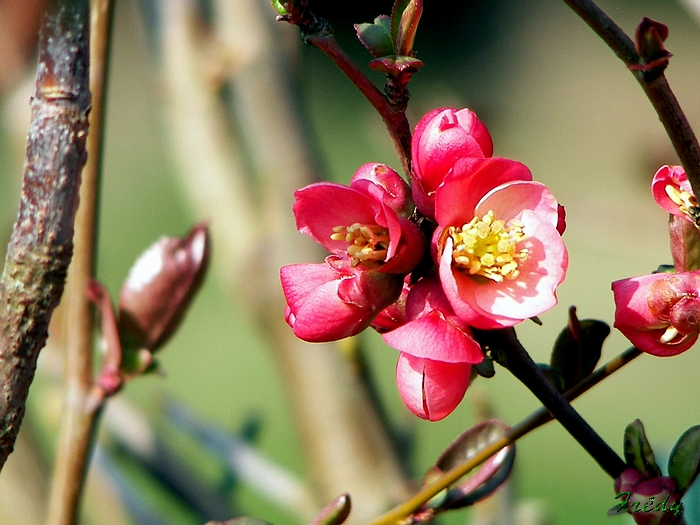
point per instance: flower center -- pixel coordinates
(367, 243)
(486, 246)
(685, 201)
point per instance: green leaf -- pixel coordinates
(279, 7)
(552, 376)
(485, 368)
(638, 452)
(577, 348)
(376, 37)
(684, 461)
(486, 479)
(396, 14)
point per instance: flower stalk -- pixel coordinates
(535, 420)
(82, 401)
(511, 354)
(655, 87)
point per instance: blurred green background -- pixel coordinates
(552, 95)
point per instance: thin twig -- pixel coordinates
(41, 245)
(395, 121)
(656, 88)
(516, 359)
(81, 401)
(535, 420)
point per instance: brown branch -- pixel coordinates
(655, 86)
(41, 245)
(82, 401)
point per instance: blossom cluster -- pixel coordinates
(658, 313)
(474, 242)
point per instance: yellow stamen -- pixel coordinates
(486, 246)
(367, 243)
(684, 200)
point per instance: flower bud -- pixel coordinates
(431, 389)
(658, 313)
(396, 195)
(442, 137)
(160, 287)
(655, 502)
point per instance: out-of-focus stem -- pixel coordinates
(657, 89)
(82, 402)
(41, 245)
(531, 422)
(347, 448)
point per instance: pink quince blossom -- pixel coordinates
(437, 351)
(658, 313)
(671, 190)
(334, 300)
(498, 243)
(442, 137)
(361, 221)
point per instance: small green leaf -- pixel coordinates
(396, 14)
(638, 452)
(552, 376)
(279, 7)
(684, 461)
(577, 349)
(376, 37)
(485, 368)
(486, 479)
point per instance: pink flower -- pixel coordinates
(498, 243)
(671, 190)
(437, 351)
(333, 300)
(361, 222)
(442, 137)
(658, 313)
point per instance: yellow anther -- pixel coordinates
(487, 246)
(683, 199)
(367, 243)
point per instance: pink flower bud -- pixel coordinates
(655, 502)
(658, 313)
(160, 287)
(431, 389)
(442, 137)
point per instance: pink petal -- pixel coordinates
(315, 312)
(670, 176)
(471, 179)
(395, 192)
(432, 337)
(508, 201)
(322, 206)
(431, 389)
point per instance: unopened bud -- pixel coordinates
(160, 287)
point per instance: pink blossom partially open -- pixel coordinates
(437, 351)
(498, 243)
(334, 300)
(440, 139)
(671, 190)
(658, 313)
(431, 389)
(361, 222)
